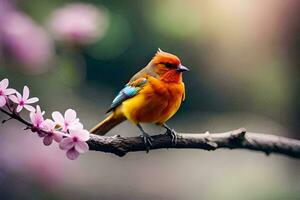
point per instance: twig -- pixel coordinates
(236, 139)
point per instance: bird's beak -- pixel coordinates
(182, 68)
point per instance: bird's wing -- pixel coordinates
(146, 71)
(130, 90)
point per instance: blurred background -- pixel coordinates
(244, 61)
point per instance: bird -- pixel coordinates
(152, 95)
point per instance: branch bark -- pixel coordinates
(236, 139)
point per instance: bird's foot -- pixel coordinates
(147, 139)
(173, 134)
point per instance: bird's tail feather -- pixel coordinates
(108, 123)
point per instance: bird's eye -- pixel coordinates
(169, 65)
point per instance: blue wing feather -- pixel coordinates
(127, 92)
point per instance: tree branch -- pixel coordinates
(236, 139)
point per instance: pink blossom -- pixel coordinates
(4, 91)
(75, 143)
(69, 121)
(37, 118)
(23, 101)
(25, 41)
(53, 134)
(78, 22)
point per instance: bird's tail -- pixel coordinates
(108, 123)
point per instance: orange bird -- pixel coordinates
(153, 95)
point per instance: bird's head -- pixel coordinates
(167, 66)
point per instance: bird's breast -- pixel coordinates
(155, 103)
(174, 99)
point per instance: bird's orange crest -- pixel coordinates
(164, 57)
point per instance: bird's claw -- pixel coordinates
(173, 134)
(147, 139)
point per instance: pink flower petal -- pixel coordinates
(72, 154)
(2, 101)
(32, 118)
(38, 109)
(4, 84)
(14, 99)
(19, 96)
(82, 135)
(41, 134)
(25, 93)
(76, 126)
(62, 133)
(58, 118)
(36, 119)
(47, 140)
(39, 119)
(81, 147)
(32, 100)
(19, 108)
(66, 144)
(48, 124)
(57, 137)
(70, 115)
(29, 108)
(9, 91)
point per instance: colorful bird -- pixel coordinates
(153, 95)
